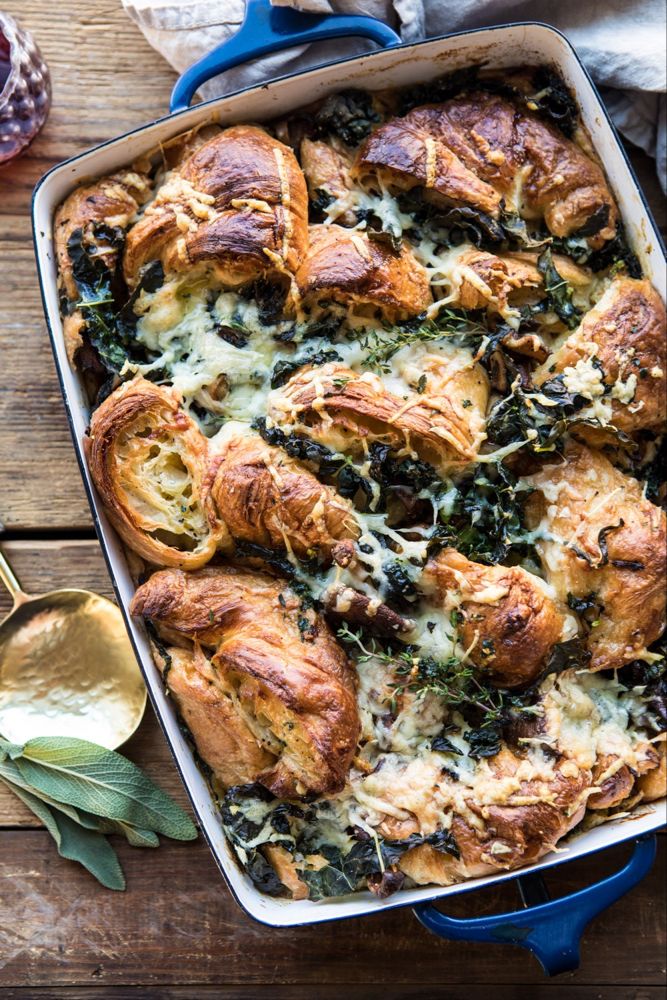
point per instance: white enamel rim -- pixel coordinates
(514, 44)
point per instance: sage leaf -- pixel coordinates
(74, 842)
(101, 782)
(136, 837)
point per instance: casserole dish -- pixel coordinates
(523, 43)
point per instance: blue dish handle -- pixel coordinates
(269, 29)
(550, 928)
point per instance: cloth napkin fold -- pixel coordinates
(621, 42)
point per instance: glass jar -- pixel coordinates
(25, 89)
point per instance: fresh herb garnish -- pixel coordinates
(81, 792)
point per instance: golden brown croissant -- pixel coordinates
(270, 499)
(278, 664)
(653, 784)
(482, 280)
(501, 832)
(148, 460)
(223, 737)
(237, 204)
(509, 623)
(603, 541)
(326, 169)
(347, 266)
(443, 425)
(479, 149)
(625, 333)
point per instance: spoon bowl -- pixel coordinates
(67, 668)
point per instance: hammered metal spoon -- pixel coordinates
(67, 668)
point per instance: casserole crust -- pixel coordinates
(377, 399)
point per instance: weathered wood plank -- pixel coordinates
(92, 48)
(177, 924)
(548, 990)
(47, 566)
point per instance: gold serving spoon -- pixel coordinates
(67, 668)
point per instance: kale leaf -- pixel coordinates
(286, 367)
(484, 520)
(349, 115)
(558, 291)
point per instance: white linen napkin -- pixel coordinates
(621, 42)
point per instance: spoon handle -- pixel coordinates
(8, 578)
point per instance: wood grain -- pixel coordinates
(93, 51)
(58, 928)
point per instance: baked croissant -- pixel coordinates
(326, 170)
(602, 540)
(509, 623)
(238, 204)
(480, 149)
(575, 717)
(625, 335)
(346, 266)
(482, 280)
(277, 664)
(500, 833)
(346, 411)
(270, 499)
(148, 460)
(90, 214)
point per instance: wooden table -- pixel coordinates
(176, 932)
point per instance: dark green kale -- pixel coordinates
(653, 474)
(568, 655)
(616, 253)
(589, 608)
(110, 320)
(350, 115)
(483, 742)
(369, 859)
(441, 89)
(652, 677)
(554, 101)
(400, 587)
(239, 803)
(391, 471)
(484, 520)
(282, 565)
(444, 745)
(540, 418)
(325, 463)
(270, 297)
(285, 368)
(558, 291)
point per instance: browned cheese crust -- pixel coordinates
(509, 623)
(287, 678)
(148, 460)
(595, 502)
(470, 150)
(627, 332)
(501, 837)
(270, 499)
(348, 267)
(238, 204)
(345, 409)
